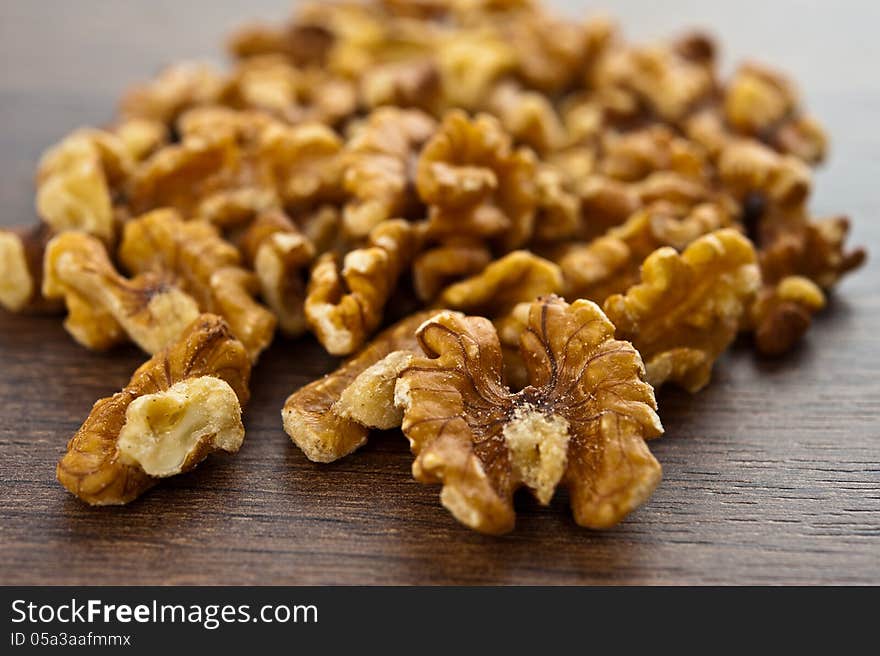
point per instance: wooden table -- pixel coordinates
(771, 475)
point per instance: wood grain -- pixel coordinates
(771, 475)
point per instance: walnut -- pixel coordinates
(441, 265)
(349, 38)
(528, 116)
(273, 85)
(21, 269)
(232, 165)
(551, 53)
(322, 226)
(176, 89)
(749, 168)
(205, 265)
(610, 264)
(313, 417)
(379, 167)
(515, 278)
(280, 256)
(190, 250)
(304, 45)
(178, 406)
(141, 137)
(103, 307)
(476, 184)
(762, 103)
(305, 161)
(343, 307)
(688, 308)
(635, 155)
(605, 203)
(207, 175)
(582, 422)
(233, 290)
(793, 244)
(414, 83)
(471, 62)
(660, 78)
(782, 313)
(76, 180)
(558, 214)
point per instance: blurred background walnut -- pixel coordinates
(21, 269)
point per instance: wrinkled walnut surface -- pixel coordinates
(581, 422)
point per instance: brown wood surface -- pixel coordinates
(771, 475)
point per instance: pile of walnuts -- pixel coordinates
(581, 219)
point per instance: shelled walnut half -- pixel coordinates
(182, 404)
(21, 269)
(104, 307)
(688, 307)
(77, 180)
(582, 422)
(206, 266)
(317, 419)
(344, 306)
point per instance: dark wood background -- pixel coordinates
(771, 475)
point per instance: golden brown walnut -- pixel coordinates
(175, 410)
(506, 284)
(782, 313)
(748, 167)
(206, 177)
(21, 269)
(660, 78)
(280, 256)
(688, 307)
(232, 165)
(322, 226)
(515, 278)
(762, 103)
(76, 180)
(305, 161)
(103, 307)
(605, 203)
(141, 137)
(379, 168)
(313, 417)
(343, 307)
(610, 264)
(412, 83)
(471, 62)
(176, 89)
(304, 45)
(558, 214)
(271, 84)
(476, 184)
(635, 155)
(582, 422)
(551, 53)
(443, 264)
(206, 266)
(792, 244)
(528, 116)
